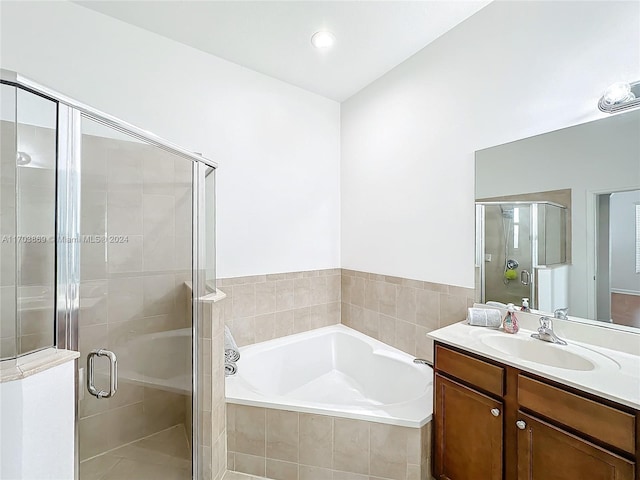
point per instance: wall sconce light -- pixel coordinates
(620, 96)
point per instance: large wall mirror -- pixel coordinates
(558, 221)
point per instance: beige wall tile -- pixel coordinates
(413, 472)
(428, 309)
(338, 475)
(316, 440)
(345, 288)
(253, 465)
(243, 330)
(284, 323)
(265, 327)
(406, 337)
(387, 299)
(357, 291)
(244, 301)
(279, 470)
(318, 290)
(314, 473)
(250, 430)
(92, 431)
(371, 322)
(371, 294)
(318, 315)
(301, 292)
(406, 304)
(282, 435)
(333, 313)
(334, 286)
(301, 319)
(351, 445)
(387, 329)
(388, 451)
(265, 298)
(284, 295)
(452, 309)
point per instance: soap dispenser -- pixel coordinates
(510, 322)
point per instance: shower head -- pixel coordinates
(507, 212)
(23, 158)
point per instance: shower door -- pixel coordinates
(136, 268)
(508, 253)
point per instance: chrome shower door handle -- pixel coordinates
(113, 373)
(525, 277)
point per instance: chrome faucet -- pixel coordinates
(561, 313)
(546, 333)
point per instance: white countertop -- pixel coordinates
(615, 374)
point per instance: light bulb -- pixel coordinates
(617, 93)
(323, 40)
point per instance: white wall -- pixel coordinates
(277, 145)
(624, 278)
(37, 419)
(512, 70)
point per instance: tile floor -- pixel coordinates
(163, 456)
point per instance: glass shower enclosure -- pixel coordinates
(521, 252)
(107, 245)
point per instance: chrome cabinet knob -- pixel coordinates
(521, 425)
(495, 412)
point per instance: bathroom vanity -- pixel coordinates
(513, 407)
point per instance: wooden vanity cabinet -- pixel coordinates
(495, 422)
(546, 452)
(469, 438)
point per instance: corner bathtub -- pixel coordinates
(334, 371)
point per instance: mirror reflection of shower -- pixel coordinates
(523, 253)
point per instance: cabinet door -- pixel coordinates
(468, 440)
(549, 453)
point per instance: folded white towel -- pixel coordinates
(230, 369)
(484, 317)
(231, 351)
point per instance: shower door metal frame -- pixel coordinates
(68, 203)
(533, 245)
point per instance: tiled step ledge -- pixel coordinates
(23, 367)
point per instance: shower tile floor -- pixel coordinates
(163, 456)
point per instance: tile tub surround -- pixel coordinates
(285, 445)
(264, 307)
(401, 311)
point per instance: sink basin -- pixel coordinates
(532, 350)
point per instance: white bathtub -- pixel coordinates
(334, 371)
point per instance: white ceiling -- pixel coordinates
(273, 37)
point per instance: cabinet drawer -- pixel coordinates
(607, 424)
(482, 375)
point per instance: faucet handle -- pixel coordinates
(561, 313)
(545, 322)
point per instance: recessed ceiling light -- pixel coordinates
(618, 93)
(323, 40)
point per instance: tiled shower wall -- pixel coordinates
(264, 307)
(399, 311)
